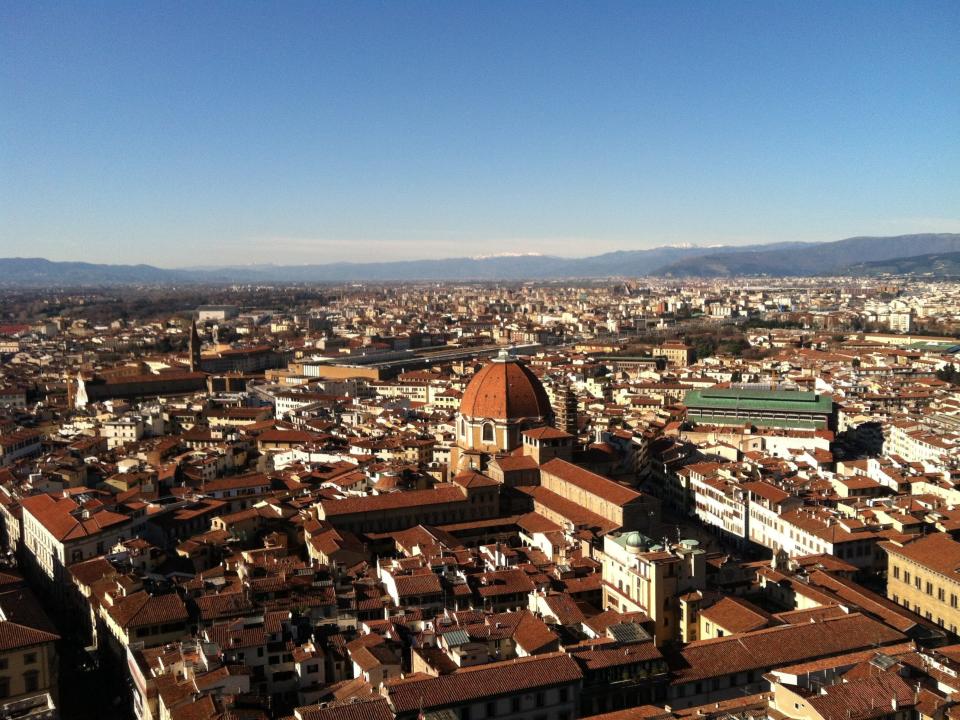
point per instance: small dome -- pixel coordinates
(505, 389)
(634, 540)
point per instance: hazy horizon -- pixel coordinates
(361, 261)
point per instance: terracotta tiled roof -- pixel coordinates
(25, 624)
(736, 615)
(504, 582)
(392, 501)
(89, 571)
(590, 482)
(938, 552)
(564, 608)
(234, 635)
(577, 514)
(202, 709)
(350, 709)
(509, 463)
(766, 491)
(847, 660)
(864, 698)
(546, 433)
(505, 391)
(420, 584)
(853, 594)
(229, 604)
(778, 646)
(484, 681)
(473, 479)
(64, 520)
(251, 480)
(142, 609)
(641, 712)
(605, 657)
(533, 635)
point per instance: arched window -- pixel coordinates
(488, 432)
(463, 427)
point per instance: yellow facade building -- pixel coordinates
(922, 576)
(641, 577)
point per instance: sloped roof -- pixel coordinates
(484, 681)
(24, 623)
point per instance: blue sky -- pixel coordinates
(181, 133)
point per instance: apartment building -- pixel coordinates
(640, 576)
(19, 444)
(767, 504)
(922, 576)
(722, 503)
(916, 443)
(677, 353)
(28, 657)
(58, 532)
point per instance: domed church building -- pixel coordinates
(502, 401)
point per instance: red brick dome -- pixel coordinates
(505, 390)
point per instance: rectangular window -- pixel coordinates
(941, 594)
(896, 572)
(929, 588)
(31, 681)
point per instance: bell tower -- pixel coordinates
(194, 347)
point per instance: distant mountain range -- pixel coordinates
(832, 258)
(858, 255)
(935, 265)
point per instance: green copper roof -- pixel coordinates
(793, 401)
